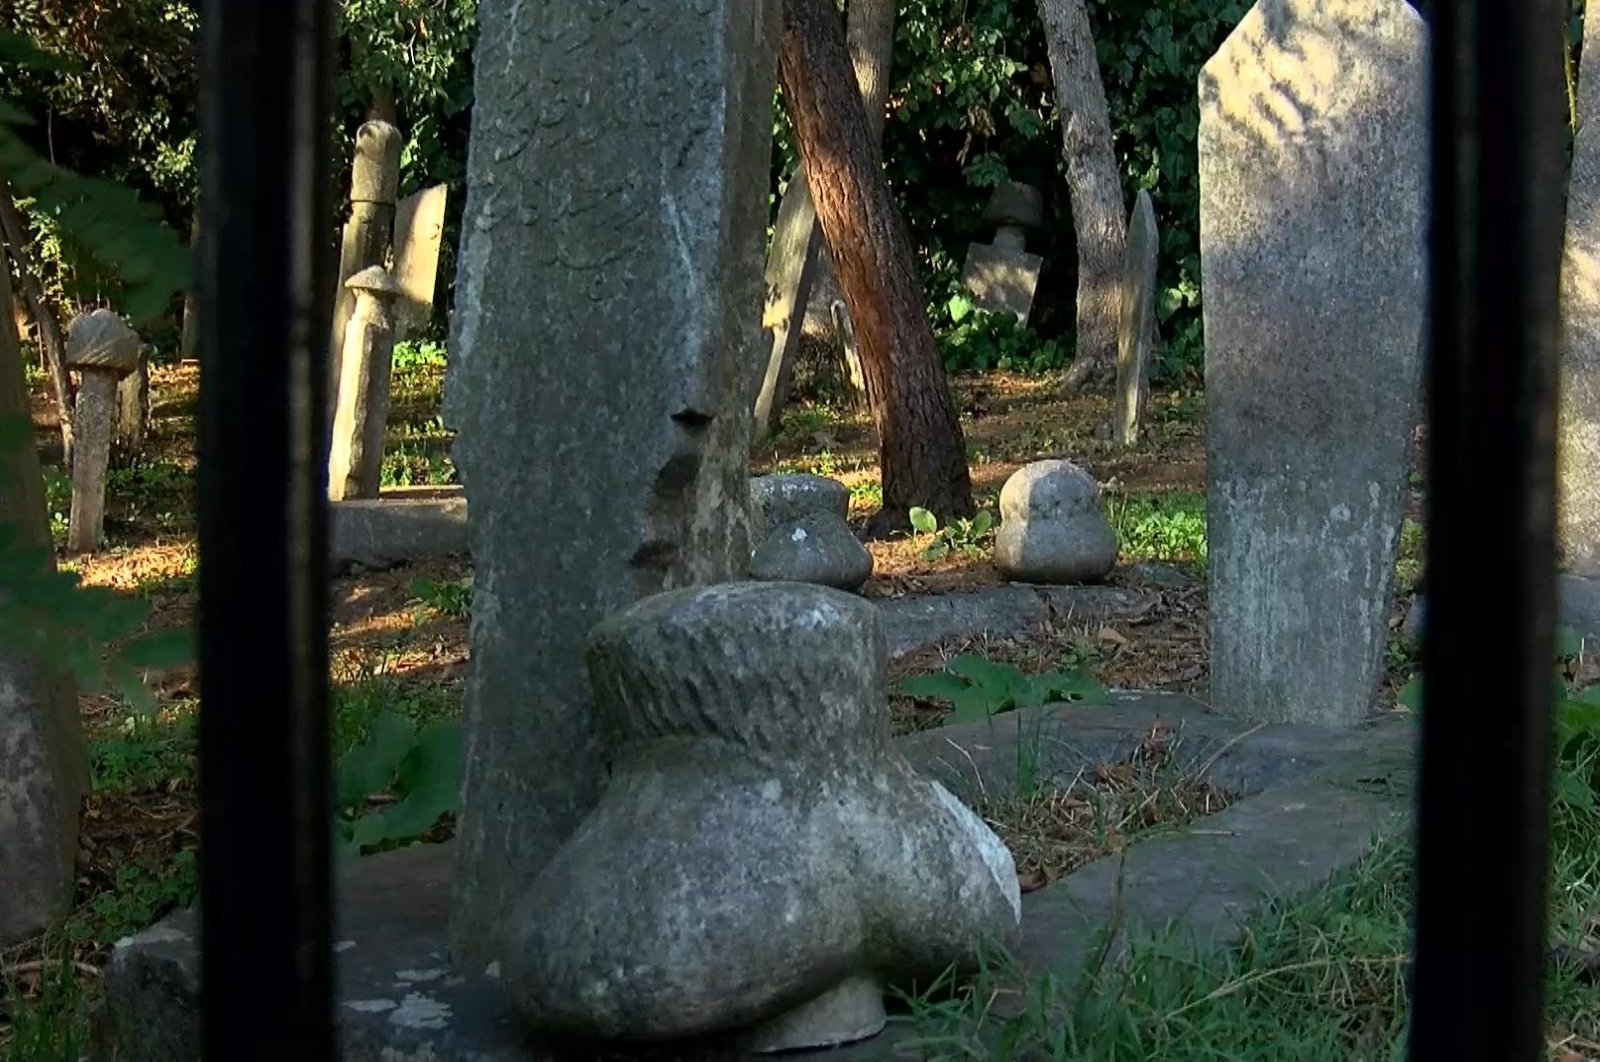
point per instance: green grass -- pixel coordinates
(1165, 526)
(1320, 979)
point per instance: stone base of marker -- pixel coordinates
(1306, 817)
(1051, 529)
(402, 524)
(749, 738)
(798, 529)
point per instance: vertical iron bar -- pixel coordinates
(265, 300)
(1498, 178)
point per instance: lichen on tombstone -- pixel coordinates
(763, 863)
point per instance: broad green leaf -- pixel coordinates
(941, 684)
(1410, 695)
(922, 521)
(959, 306)
(982, 523)
(370, 767)
(1573, 791)
(970, 706)
(158, 650)
(997, 680)
(936, 550)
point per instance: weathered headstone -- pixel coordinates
(369, 232)
(418, 235)
(133, 408)
(43, 770)
(355, 458)
(798, 525)
(1002, 276)
(792, 263)
(1579, 448)
(1136, 332)
(602, 381)
(754, 779)
(104, 350)
(1313, 169)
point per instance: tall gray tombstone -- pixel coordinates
(369, 232)
(1313, 168)
(792, 264)
(1579, 448)
(603, 373)
(43, 770)
(1136, 327)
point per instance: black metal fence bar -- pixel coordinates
(1498, 188)
(265, 300)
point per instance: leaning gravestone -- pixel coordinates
(1580, 311)
(418, 235)
(603, 372)
(1313, 165)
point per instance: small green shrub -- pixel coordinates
(978, 688)
(411, 354)
(446, 597)
(977, 340)
(1169, 526)
(416, 769)
(959, 535)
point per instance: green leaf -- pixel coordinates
(997, 680)
(982, 523)
(936, 550)
(370, 767)
(960, 306)
(1410, 695)
(1072, 686)
(923, 521)
(160, 650)
(971, 706)
(1573, 791)
(940, 684)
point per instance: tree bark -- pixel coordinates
(55, 348)
(1097, 212)
(921, 451)
(869, 35)
(189, 338)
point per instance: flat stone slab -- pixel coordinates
(400, 525)
(916, 622)
(1323, 799)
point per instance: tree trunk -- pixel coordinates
(1097, 214)
(189, 339)
(869, 34)
(55, 348)
(921, 450)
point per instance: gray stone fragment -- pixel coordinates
(819, 548)
(402, 524)
(1051, 530)
(1579, 420)
(1413, 626)
(603, 369)
(1312, 237)
(759, 845)
(783, 497)
(100, 339)
(918, 621)
(1001, 277)
(1136, 329)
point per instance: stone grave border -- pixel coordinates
(401, 525)
(1316, 802)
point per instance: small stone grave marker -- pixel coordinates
(1002, 276)
(418, 235)
(1136, 332)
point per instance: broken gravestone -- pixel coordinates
(43, 770)
(590, 231)
(1002, 276)
(1136, 331)
(755, 715)
(1313, 167)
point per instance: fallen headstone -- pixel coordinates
(1312, 242)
